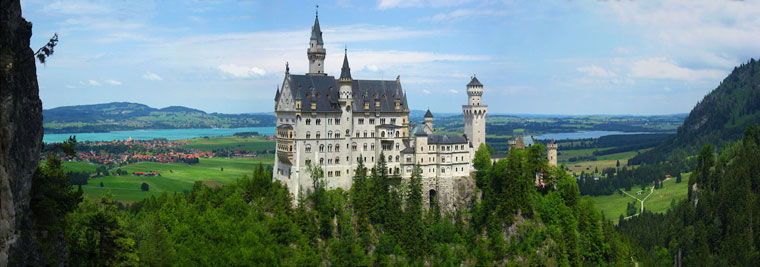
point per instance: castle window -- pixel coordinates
(361, 121)
(422, 148)
(397, 158)
(390, 158)
(365, 146)
(398, 134)
(308, 121)
(348, 133)
(337, 173)
(393, 121)
(337, 160)
(373, 134)
(443, 159)
(365, 133)
(372, 147)
(443, 170)
(397, 146)
(337, 148)
(337, 121)
(308, 148)
(318, 134)
(353, 146)
(372, 121)
(308, 135)
(321, 148)
(382, 121)
(382, 134)
(329, 161)
(329, 174)
(321, 161)
(329, 148)
(373, 159)
(337, 134)
(318, 121)
(329, 121)
(308, 162)
(357, 134)
(329, 134)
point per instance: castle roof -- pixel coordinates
(345, 71)
(446, 139)
(285, 126)
(324, 91)
(316, 32)
(474, 82)
(428, 114)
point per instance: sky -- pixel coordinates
(533, 57)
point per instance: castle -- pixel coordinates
(334, 123)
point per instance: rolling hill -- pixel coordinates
(119, 116)
(721, 117)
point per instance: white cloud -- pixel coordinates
(388, 4)
(426, 91)
(152, 76)
(371, 67)
(622, 50)
(93, 83)
(113, 82)
(595, 71)
(466, 13)
(75, 8)
(241, 71)
(453, 91)
(70, 86)
(710, 34)
(662, 68)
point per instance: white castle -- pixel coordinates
(333, 123)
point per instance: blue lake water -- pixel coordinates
(582, 135)
(171, 134)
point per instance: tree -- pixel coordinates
(482, 163)
(47, 50)
(617, 164)
(144, 187)
(414, 230)
(101, 184)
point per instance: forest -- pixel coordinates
(378, 222)
(716, 225)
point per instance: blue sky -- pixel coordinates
(539, 57)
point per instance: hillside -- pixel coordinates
(118, 116)
(719, 118)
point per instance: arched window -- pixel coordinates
(308, 121)
(348, 133)
(308, 135)
(321, 148)
(353, 146)
(382, 134)
(337, 148)
(337, 160)
(365, 146)
(397, 158)
(329, 148)
(321, 161)
(308, 148)
(372, 147)
(357, 134)
(329, 134)
(398, 134)
(337, 134)
(390, 158)
(397, 146)
(365, 133)
(318, 134)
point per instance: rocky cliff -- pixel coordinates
(20, 127)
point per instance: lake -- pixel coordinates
(582, 135)
(171, 134)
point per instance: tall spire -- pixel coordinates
(345, 71)
(316, 32)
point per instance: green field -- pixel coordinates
(79, 166)
(230, 142)
(614, 205)
(175, 177)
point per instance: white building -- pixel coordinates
(333, 123)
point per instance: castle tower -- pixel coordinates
(551, 153)
(475, 114)
(428, 122)
(345, 81)
(316, 52)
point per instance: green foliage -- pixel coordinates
(51, 196)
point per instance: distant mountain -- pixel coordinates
(118, 116)
(721, 117)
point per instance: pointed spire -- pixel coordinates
(277, 95)
(345, 71)
(316, 32)
(287, 68)
(428, 114)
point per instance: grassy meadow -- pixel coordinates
(612, 206)
(175, 177)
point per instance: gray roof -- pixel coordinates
(474, 82)
(408, 150)
(345, 71)
(389, 126)
(285, 126)
(316, 32)
(308, 87)
(428, 114)
(446, 139)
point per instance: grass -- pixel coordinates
(230, 142)
(659, 202)
(79, 166)
(175, 177)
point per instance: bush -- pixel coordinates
(144, 187)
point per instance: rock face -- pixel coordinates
(20, 127)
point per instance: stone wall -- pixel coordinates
(20, 127)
